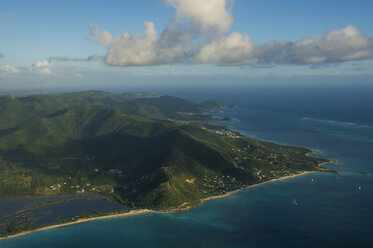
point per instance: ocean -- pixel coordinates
(334, 210)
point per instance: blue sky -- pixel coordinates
(41, 41)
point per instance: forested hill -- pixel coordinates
(132, 148)
(15, 111)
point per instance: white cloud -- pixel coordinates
(102, 37)
(137, 50)
(333, 46)
(204, 15)
(134, 49)
(199, 34)
(8, 69)
(40, 67)
(194, 20)
(237, 48)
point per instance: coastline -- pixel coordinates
(328, 162)
(256, 185)
(319, 164)
(132, 212)
(143, 211)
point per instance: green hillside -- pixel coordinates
(139, 161)
(16, 111)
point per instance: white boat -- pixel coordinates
(295, 202)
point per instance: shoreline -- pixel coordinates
(143, 211)
(256, 185)
(328, 162)
(322, 163)
(132, 212)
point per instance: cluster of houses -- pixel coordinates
(78, 188)
(227, 133)
(220, 184)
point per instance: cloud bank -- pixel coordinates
(199, 33)
(40, 67)
(334, 46)
(7, 69)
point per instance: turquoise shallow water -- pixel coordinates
(331, 211)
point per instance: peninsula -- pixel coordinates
(138, 150)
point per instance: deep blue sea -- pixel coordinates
(336, 122)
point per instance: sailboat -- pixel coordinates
(295, 203)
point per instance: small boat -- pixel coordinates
(359, 188)
(295, 203)
(312, 180)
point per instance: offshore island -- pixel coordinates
(73, 157)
